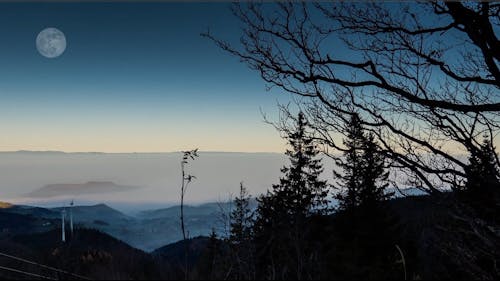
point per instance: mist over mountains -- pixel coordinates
(36, 178)
(134, 182)
(91, 187)
(147, 230)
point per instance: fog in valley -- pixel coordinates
(132, 181)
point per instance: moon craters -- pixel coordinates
(51, 42)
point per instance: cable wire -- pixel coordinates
(44, 266)
(26, 273)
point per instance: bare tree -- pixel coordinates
(423, 76)
(186, 179)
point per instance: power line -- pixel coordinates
(44, 266)
(26, 273)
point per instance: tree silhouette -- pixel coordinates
(282, 212)
(375, 177)
(482, 171)
(186, 179)
(425, 76)
(300, 190)
(241, 217)
(241, 236)
(483, 178)
(363, 169)
(351, 180)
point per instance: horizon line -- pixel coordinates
(132, 152)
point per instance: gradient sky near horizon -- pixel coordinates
(135, 77)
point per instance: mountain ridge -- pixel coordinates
(90, 187)
(132, 152)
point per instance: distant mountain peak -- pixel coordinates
(72, 189)
(102, 205)
(100, 212)
(41, 151)
(48, 152)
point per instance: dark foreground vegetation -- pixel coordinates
(295, 234)
(427, 237)
(408, 95)
(438, 238)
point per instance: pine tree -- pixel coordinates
(364, 177)
(280, 227)
(365, 227)
(300, 191)
(240, 238)
(241, 218)
(374, 179)
(352, 166)
(483, 178)
(210, 261)
(483, 170)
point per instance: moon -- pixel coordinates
(51, 42)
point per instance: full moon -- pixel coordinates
(51, 42)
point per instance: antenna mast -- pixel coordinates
(63, 217)
(71, 216)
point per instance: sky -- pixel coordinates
(135, 77)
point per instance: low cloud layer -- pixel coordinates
(92, 187)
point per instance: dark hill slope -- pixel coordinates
(90, 253)
(33, 211)
(439, 238)
(96, 212)
(174, 253)
(446, 239)
(12, 224)
(204, 255)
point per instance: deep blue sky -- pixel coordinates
(134, 77)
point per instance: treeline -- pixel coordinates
(297, 232)
(413, 88)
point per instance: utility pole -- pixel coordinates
(71, 217)
(63, 217)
